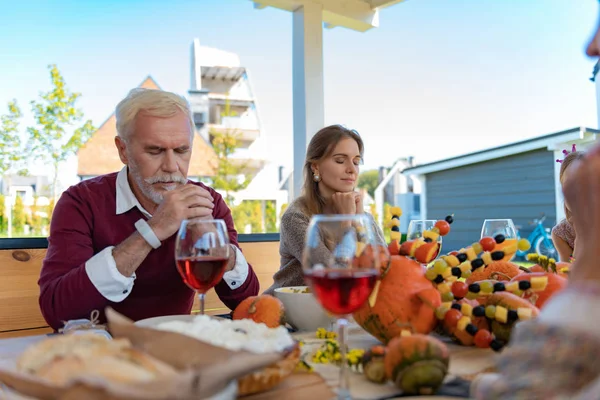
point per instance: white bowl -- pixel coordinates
(302, 311)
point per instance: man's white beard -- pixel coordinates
(145, 185)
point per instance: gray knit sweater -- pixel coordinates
(294, 224)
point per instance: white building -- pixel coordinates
(222, 100)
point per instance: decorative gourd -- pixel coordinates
(373, 367)
(264, 308)
(417, 364)
(509, 301)
(498, 270)
(555, 284)
(403, 299)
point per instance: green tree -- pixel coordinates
(231, 175)
(270, 217)
(11, 150)
(36, 222)
(3, 215)
(369, 180)
(55, 136)
(19, 217)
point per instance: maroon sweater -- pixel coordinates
(85, 222)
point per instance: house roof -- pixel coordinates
(98, 156)
(550, 142)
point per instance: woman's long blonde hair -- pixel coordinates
(321, 146)
(566, 162)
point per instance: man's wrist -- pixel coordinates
(148, 233)
(232, 257)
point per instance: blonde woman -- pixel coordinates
(331, 168)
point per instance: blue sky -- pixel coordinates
(437, 78)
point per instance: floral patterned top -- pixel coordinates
(566, 232)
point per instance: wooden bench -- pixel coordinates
(21, 261)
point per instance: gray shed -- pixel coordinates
(518, 181)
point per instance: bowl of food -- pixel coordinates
(302, 311)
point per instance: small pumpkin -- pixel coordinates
(556, 283)
(264, 308)
(373, 366)
(403, 299)
(497, 270)
(417, 364)
(510, 301)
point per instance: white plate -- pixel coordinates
(155, 321)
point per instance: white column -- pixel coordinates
(307, 77)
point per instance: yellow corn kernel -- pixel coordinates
(477, 247)
(512, 287)
(397, 211)
(395, 222)
(466, 266)
(466, 309)
(451, 260)
(443, 288)
(524, 313)
(447, 273)
(446, 304)
(501, 314)
(471, 255)
(463, 322)
(405, 332)
(487, 258)
(431, 235)
(539, 283)
(395, 235)
(451, 279)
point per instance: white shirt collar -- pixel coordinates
(126, 200)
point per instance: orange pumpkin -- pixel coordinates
(403, 299)
(264, 308)
(498, 270)
(556, 283)
(417, 364)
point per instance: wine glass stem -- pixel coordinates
(201, 296)
(344, 385)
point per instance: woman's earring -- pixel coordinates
(316, 178)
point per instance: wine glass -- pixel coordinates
(201, 254)
(505, 227)
(341, 263)
(416, 227)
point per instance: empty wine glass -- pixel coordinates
(341, 264)
(416, 227)
(506, 228)
(202, 253)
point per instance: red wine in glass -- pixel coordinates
(342, 291)
(202, 273)
(202, 254)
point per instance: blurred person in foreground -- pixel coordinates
(557, 355)
(112, 238)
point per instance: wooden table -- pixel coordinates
(464, 361)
